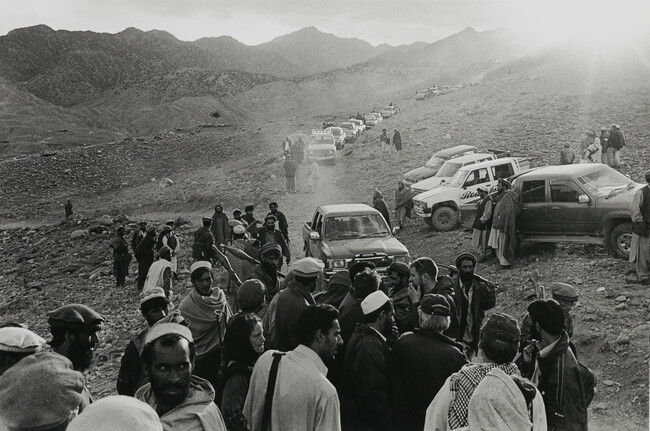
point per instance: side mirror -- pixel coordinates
(314, 235)
(583, 199)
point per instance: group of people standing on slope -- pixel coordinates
(604, 148)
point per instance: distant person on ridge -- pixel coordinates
(121, 257)
(567, 155)
(397, 140)
(68, 209)
(220, 229)
(144, 254)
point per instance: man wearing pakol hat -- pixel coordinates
(567, 386)
(503, 236)
(16, 344)
(283, 224)
(302, 398)
(251, 297)
(498, 347)
(473, 297)
(154, 306)
(292, 300)
(219, 228)
(144, 253)
(482, 223)
(615, 144)
(40, 392)
(640, 245)
(170, 239)
(398, 282)
(182, 400)
(117, 413)
(567, 155)
(269, 234)
(426, 358)
(203, 242)
(566, 295)
(160, 273)
(369, 398)
(74, 329)
(207, 312)
(121, 257)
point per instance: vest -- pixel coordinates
(479, 213)
(645, 205)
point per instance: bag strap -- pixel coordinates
(270, 389)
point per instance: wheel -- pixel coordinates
(620, 239)
(444, 218)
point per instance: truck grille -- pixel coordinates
(379, 259)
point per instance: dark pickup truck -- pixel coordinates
(580, 203)
(341, 235)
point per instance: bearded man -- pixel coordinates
(503, 236)
(267, 271)
(220, 229)
(271, 235)
(74, 329)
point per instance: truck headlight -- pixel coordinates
(402, 259)
(339, 263)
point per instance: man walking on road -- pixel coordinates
(640, 246)
(290, 168)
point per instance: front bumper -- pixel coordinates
(421, 209)
(381, 261)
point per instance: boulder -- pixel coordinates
(78, 234)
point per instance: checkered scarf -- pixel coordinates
(462, 385)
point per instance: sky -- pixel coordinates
(394, 22)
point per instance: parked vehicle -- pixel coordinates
(321, 146)
(358, 123)
(581, 203)
(339, 136)
(370, 120)
(389, 111)
(435, 163)
(351, 131)
(448, 170)
(378, 115)
(341, 235)
(422, 95)
(440, 207)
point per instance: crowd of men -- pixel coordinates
(604, 148)
(404, 347)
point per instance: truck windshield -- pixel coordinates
(604, 181)
(449, 169)
(355, 226)
(458, 179)
(321, 139)
(435, 162)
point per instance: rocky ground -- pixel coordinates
(46, 264)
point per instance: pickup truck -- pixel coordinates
(350, 130)
(435, 163)
(441, 207)
(339, 136)
(321, 146)
(581, 203)
(359, 124)
(422, 95)
(370, 120)
(448, 169)
(341, 235)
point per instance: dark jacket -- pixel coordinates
(272, 284)
(348, 321)
(279, 238)
(291, 301)
(403, 310)
(380, 205)
(445, 287)
(566, 406)
(282, 223)
(424, 360)
(616, 140)
(397, 141)
(203, 242)
(144, 250)
(479, 213)
(131, 376)
(136, 238)
(483, 298)
(333, 295)
(369, 399)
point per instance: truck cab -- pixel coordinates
(448, 170)
(341, 235)
(441, 206)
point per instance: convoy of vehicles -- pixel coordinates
(359, 124)
(422, 95)
(435, 163)
(441, 206)
(341, 235)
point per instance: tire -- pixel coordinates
(619, 240)
(444, 218)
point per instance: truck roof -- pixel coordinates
(469, 158)
(347, 209)
(487, 163)
(448, 152)
(567, 171)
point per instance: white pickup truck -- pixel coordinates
(448, 170)
(440, 207)
(321, 146)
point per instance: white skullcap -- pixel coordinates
(151, 293)
(239, 229)
(200, 264)
(160, 329)
(19, 340)
(374, 302)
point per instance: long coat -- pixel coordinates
(219, 228)
(291, 301)
(483, 298)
